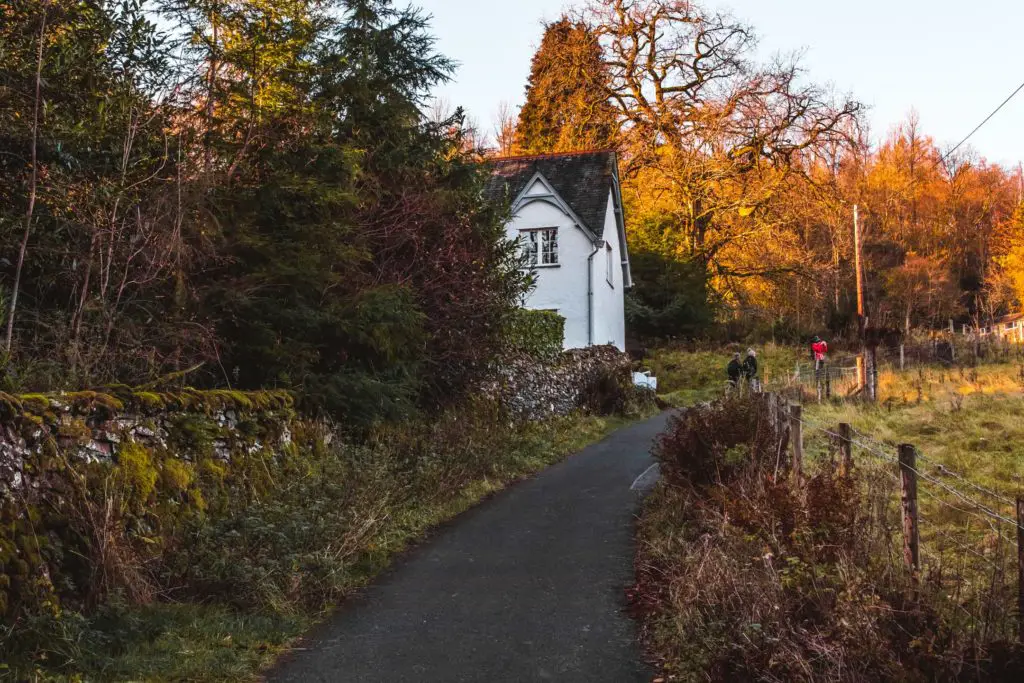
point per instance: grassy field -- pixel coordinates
(969, 420)
(686, 377)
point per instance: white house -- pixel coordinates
(567, 214)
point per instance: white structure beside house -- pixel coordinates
(1009, 328)
(567, 214)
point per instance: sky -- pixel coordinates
(951, 61)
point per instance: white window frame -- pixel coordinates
(609, 272)
(541, 247)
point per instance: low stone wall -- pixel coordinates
(88, 427)
(534, 389)
(77, 468)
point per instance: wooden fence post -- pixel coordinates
(873, 374)
(845, 449)
(1020, 568)
(908, 496)
(796, 415)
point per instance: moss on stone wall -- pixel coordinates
(97, 486)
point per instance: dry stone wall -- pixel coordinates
(77, 468)
(535, 389)
(84, 428)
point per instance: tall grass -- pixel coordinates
(746, 572)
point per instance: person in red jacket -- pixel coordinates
(819, 348)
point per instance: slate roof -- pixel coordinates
(1012, 318)
(582, 180)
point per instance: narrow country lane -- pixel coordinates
(529, 586)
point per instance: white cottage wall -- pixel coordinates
(609, 294)
(561, 288)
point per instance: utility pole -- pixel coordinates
(861, 322)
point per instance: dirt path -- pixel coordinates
(526, 587)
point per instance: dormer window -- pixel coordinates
(540, 246)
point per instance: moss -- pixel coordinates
(136, 470)
(93, 401)
(213, 471)
(148, 400)
(195, 433)
(177, 475)
(35, 403)
(75, 429)
(10, 406)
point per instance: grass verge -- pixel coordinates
(257, 580)
(745, 573)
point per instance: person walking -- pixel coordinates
(750, 371)
(734, 371)
(819, 350)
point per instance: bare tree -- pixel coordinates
(33, 181)
(505, 129)
(722, 134)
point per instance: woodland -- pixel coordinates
(244, 194)
(741, 177)
(260, 194)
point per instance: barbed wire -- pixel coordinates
(965, 548)
(943, 468)
(883, 456)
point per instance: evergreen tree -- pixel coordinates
(566, 102)
(360, 262)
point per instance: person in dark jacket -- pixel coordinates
(750, 371)
(735, 371)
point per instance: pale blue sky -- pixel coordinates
(952, 61)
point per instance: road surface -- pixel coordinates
(528, 586)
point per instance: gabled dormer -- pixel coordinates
(583, 185)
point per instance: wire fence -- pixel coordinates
(961, 537)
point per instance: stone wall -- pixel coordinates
(534, 389)
(88, 427)
(79, 468)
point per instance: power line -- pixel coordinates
(979, 126)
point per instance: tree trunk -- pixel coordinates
(33, 186)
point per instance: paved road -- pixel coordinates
(526, 587)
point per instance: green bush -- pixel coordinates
(535, 333)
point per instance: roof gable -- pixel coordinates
(582, 180)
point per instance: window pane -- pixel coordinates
(528, 238)
(549, 247)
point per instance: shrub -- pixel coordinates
(700, 444)
(539, 334)
(612, 392)
(745, 574)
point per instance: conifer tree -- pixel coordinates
(566, 103)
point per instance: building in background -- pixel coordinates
(567, 215)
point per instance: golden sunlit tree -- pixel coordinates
(567, 107)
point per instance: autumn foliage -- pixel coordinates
(740, 178)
